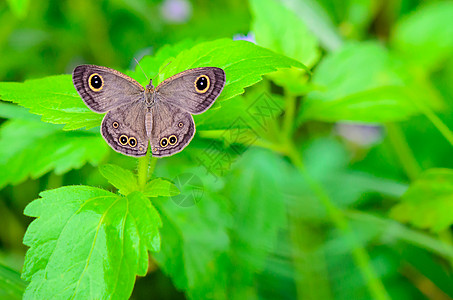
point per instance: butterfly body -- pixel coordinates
(137, 117)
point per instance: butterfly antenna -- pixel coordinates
(141, 68)
(161, 70)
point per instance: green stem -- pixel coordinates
(359, 253)
(403, 151)
(152, 165)
(437, 122)
(288, 118)
(145, 169)
(309, 262)
(446, 237)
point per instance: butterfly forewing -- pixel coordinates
(102, 88)
(194, 90)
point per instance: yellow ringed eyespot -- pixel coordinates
(164, 142)
(115, 124)
(202, 84)
(123, 140)
(172, 139)
(181, 124)
(95, 82)
(132, 142)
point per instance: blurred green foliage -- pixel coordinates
(328, 183)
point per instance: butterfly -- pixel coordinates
(138, 117)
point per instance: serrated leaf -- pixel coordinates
(428, 203)
(124, 180)
(53, 97)
(160, 187)
(243, 62)
(279, 29)
(426, 36)
(88, 243)
(32, 148)
(195, 245)
(13, 111)
(56, 99)
(193, 238)
(364, 83)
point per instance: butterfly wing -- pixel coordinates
(124, 129)
(103, 89)
(194, 90)
(172, 129)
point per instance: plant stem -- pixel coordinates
(439, 124)
(144, 170)
(403, 151)
(359, 253)
(288, 118)
(152, 166)
(310, 267)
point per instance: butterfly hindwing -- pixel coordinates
(172, 129)
(124, 129)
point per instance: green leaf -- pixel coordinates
(12, 111)
(243, 62)
(217, 118)
(53, 97)
(88, 243)
(160, 187)
(254, 187)
(19, 7)
(292, 80)
(56, 99)
(364, 83)
(254, 109)
(318, 21)
(124, 180)
(428, 203)
(11, 285)
(32, 148)
(279, 29)
(149, 65)
(426, 36)
(193, 238)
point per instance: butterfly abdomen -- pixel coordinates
(148, 123)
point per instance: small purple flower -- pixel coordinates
(363, 135)
(250, 37)
(176, 11)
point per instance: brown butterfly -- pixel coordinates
(137, 116)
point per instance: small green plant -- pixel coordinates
(88, 242)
